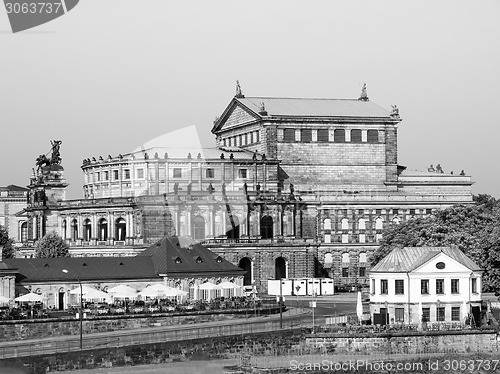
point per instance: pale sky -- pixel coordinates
(113, 74)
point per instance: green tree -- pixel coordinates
(474, 229)
(8, 249)
(51, 245)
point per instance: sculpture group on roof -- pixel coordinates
(55, 158)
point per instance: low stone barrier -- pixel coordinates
(45, 328)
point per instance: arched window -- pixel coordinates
(345, 224)
(64, 230)
(287, 223)
(327, 224)
(379, 223)
(396, 220)
(339, 136)
(102, 227)
(328, 260)
(24, 232)
(233, 227)
(356, 136)
(74, 230)
(246, 264)
(87, 230)
(266, 227)
(279, 268)
(346, 258)
(361, 224)
(120, 229)
(372, 136)
(198, 228)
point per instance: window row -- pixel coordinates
(242, 139)
(439, 286)
(399, 314)
(139, 174)
(325, 135)
(102, 233)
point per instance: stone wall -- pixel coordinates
(293, 343)
(39, 329)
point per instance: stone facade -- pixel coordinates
(294, 187)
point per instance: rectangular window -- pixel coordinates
(399, 314)
(115, 175)
(242, 173)
(412, 212)
(373, 286)
(289, 135)
(126, 174)
(474, 285)
(210, 173)
(454, 286)
(345, 272)
(224, 142)
(306, 135)
(384, 286)
(106, 175)
(424, 286)
(362, 272)
(251, 138)
(395, 212)
(399, 287)
(440, 314)
(339, 136)
(98, 176)
(428, 211)
(426, 314)
(257, 136)
(455, 313)
(439, 286)
(140, 173)
(323, 135)
(177, 173)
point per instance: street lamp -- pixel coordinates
(80, 315)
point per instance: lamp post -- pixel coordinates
(80, 315)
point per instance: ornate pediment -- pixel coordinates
(236, 114)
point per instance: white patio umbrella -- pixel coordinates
(209, 286)
(95, 294)
(229, 285)
(123, 291)
(84, 290)
(229, 288)
(150, 291)
(29, 297)
(359, 307)
(465, 311)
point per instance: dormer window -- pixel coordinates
(177, 260)
(198, 260)
(218, 259)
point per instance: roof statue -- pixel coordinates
(431, 168)
(42, 160)
(395, 111)
(364, 95)
(238, 90)
(439, 169)
(56, 155)
(462, 173)
(262, 109)
(216, 120)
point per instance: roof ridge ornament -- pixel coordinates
(364, 95)
(262, 109)
(394, 111)
(238, 94)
